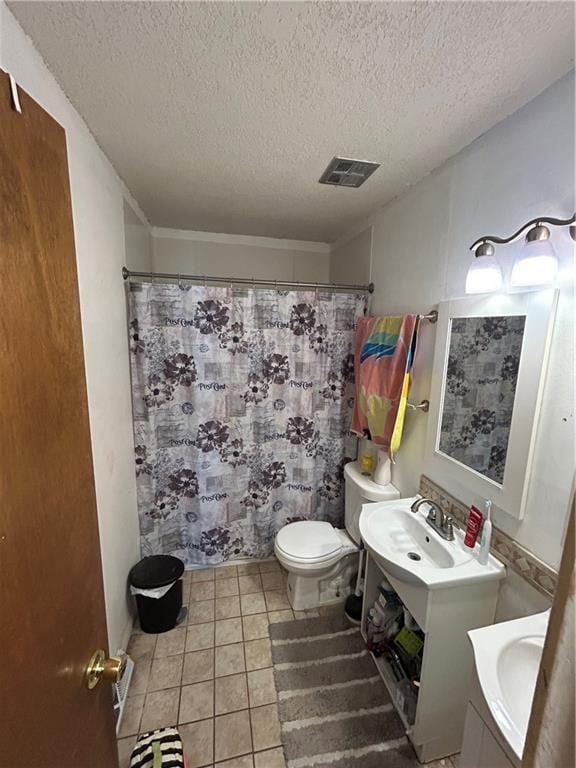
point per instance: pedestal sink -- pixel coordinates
(412, 551)
(507, 659)
(447, 592)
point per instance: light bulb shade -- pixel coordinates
(484, 275)
(536, 264)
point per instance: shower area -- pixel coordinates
(242, 403)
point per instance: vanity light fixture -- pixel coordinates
(536, 264)
(484, 274)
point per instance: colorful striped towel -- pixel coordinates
(384, 351)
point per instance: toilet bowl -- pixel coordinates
(322, 560)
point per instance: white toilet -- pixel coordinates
(321, 560)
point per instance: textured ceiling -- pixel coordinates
(222, 116)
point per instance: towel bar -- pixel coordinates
(424, 406)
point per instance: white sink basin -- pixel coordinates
(411, 550)
(507, 658)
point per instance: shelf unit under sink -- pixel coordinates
(445, 616)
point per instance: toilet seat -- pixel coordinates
(312, 544)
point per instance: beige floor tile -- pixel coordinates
(444, 762)
(272, 758)
(196, 702)
(248, 569)
(125, 747)
(201, 612)
(277, 600)
(198, 740)
(160, 710)
(270, 566)
(265, 727)
(227, 607)
(232, 735)
(203, 574)
(255, 626)
(230, 694)
(258, 654)
(250, 584)
(200, 637)
(272, 581)
(198, 666)
(229, 659)
(455, 760)
(237, 762)
(310, 614)
(226, 587)
(253, 603)
(331, 610)
(170, 643)
(276, 617)
(186, 590)
(261, 688)
(132, 715)
(228, 631)
(225, 572)
(140, 675)
(141, 644)
(165, 673)
(204, 590)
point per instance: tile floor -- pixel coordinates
(213, 677)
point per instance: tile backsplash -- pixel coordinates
(539, 575)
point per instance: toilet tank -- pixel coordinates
(361, 489)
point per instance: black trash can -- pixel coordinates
(158, 614)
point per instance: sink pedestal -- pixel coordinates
(445, 614)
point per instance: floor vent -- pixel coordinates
(344, 172)
(121, 692)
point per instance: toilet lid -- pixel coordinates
(308, 540)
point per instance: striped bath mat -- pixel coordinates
(334, 709)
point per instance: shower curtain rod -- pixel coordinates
(127, 274)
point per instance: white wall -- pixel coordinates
(350, 260)
(97, 206)
(521, 168)
(137, 241)
(206, 253)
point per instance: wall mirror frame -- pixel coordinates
(528, 318)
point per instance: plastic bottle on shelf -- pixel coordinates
(374, 631)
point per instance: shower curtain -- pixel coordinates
(242, 401)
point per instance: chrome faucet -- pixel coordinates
(436, 518)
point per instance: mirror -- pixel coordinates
(479, 390)
(489, 363)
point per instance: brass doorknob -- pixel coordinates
(99, 667)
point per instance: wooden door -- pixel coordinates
(52, 603)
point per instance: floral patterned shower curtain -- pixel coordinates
(242, 402)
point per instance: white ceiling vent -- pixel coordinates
(343, 172)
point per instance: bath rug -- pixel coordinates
(334, 709)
